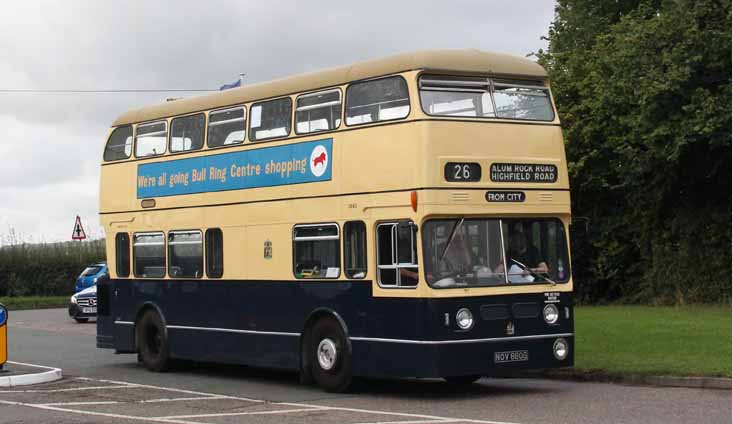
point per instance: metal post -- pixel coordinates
(3, 335)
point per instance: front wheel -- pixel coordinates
(330, 357)
(152, 342)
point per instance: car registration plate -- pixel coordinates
(89, 310)
(511, 356)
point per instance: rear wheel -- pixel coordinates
(329, 356)
(152, 342)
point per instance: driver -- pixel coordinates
(525, 257)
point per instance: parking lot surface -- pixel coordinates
(102, 387)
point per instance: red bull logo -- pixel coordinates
(319, 160)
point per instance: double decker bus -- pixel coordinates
(405, 217)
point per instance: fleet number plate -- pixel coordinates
(511, 356)
(89, 310)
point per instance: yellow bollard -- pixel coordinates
(3, 335)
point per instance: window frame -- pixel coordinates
(169, 256)
(132, 143)
(346, 226)
(395, 254)
(209, 124)
(490, 83)
(117, 259)
(137, 135)
(249, 123)
(354, 83)
(170, 132)
(336, 237)
(340, 102)
(206, 254)
(165, 254)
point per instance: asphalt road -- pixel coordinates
(100, 386)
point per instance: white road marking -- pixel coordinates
(180, 419)
(236, 414)
(73, 389)
(106, 402)
(98, 414)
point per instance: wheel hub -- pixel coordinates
(327, 354)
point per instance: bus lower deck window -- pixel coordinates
(122, 254)
(214, 253)
(354, 243)
(185, 253)
(397, 254)
(316, 250)
(148, 251)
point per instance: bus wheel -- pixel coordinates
(152, 342)
(462, 380)
(330, 360)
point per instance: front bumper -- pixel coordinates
(76, 311)
(467, 357)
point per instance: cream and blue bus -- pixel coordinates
(401, 217)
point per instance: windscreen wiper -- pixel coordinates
(535, 274)
(452, 237)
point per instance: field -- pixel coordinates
(34, 302)
(686, 341)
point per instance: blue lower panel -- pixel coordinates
(260, 322)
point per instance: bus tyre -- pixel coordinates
(329, 356)
(462, 380)
(152, 342)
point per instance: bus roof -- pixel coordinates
(457, 61)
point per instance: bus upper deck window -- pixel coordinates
(119, 145)
(186, 133)
(151, 139)
(319, 111)
(382, 99)
(270, 119)
(480, 97)
(228, 126)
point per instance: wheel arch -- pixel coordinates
(148, 306)
(314, 316)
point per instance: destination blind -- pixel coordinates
(523, 173)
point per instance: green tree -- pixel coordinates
(644, 90)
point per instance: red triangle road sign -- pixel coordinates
(78, 233)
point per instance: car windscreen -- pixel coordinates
(90, 271)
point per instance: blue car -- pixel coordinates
(90, 276)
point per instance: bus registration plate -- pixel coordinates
(511, 356)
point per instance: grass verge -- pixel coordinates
(34, 302)
(680, 341)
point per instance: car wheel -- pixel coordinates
(152, 342)
(81, 320)
(329, 356)
(462, 380)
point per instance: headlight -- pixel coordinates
(464, 319)
(95, 280)
(73, 300)
(551, 314)
(560, 349)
